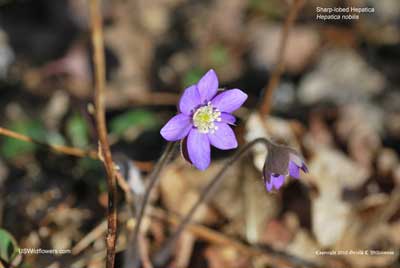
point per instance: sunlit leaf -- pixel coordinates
(89, 165)
(192, 76)
(131, 119)
(219, 55)
(102, 185)
(267, 9)
(78, 131)
(8, 246)
(11, 147)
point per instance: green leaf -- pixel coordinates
(219, 55)
(267, 9)
(10, 147)
(102, 185)
(192, 76)
(55, 138)
(133, 119)
(78, 131)
(89, 165)
(8, 246)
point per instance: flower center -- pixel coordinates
(204, 118)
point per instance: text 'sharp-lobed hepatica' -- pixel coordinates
(204, 118)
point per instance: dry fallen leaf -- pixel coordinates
(258, 207)
(302, 46)
(275, 129)
(329, 211)
(341, 76)
(304, 246)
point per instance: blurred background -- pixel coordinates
(338, 102)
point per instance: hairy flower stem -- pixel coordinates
(163, 255)
(152, 179)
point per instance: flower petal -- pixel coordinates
(198, 149)
(229, 100)
(268, 185)
(278, 181)
(190, 100)
(294, 170)
(228, 118)
(223, 138)
(275, 181)
(208, 86)
(176, 128)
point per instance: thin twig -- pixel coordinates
(265, 107)
(56, 148)
(99, 82)
(152, 180)
(143, 251)
(214, 237)
(200, 231)
(89, 238)
(125, 187)
(161, 257)
(144, 166)
(274, 258)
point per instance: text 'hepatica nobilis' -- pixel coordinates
(204, 118)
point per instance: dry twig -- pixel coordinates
(265, 107)
(56, 148)
(162, 256)
(144, 166)
(90, 237)
(211, 236)
(99, 86)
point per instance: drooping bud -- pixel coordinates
(281, 161)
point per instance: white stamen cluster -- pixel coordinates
(204, 118)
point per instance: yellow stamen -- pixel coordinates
(204, 118)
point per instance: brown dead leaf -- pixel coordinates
(181, 185)
(258, 208)
(329, 211)
(275, 129)
(304, 246)
(302, 46)
(277, 235)
(361, 136)
(218, 256)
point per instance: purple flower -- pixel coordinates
(281, 161)
(204, 119)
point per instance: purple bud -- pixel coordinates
(281, 161)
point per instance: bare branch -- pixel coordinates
(99, 87)
(273, 82)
